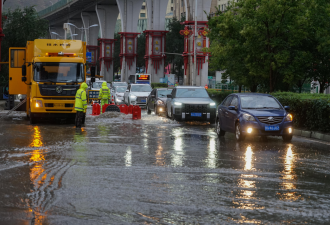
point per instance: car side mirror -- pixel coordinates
(231, 108)
(169, 96)
(287, 108)
(126, 91)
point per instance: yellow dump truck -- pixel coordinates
(48, 72)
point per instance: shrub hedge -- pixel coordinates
(310, 111)
(159, 85)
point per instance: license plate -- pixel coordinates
(143, 100)
(272, 128)
(196, 114)
(58, 105)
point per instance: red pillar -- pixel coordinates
(107, 48)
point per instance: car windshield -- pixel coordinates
(141, 88)
(164, 93)
(191, 93)
(259, 102)
(116, 84)
(121, 89)
(59, 72)
(98, 85)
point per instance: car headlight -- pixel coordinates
(289, 117)
(248, 117)
(212, 104)
(178, 103)
(133, 96)
(160, 102)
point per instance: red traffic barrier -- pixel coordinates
(136, 112)
(96, 109)
(104, 107)
(123, 108)
(130, 109)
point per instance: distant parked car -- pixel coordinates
(157, 99)
(190, 103)
(137, 94)
(118, 94)
(248, 114)
(116, 84)
(97, 85)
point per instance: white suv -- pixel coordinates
(137, 94)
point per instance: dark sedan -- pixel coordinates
(157, 99)
(190, 103)
(253, 114)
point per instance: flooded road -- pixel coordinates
(157, 171)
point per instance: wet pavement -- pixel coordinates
(157, 171)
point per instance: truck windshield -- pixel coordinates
(59, 72)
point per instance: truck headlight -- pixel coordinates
(289, 117)
(178, 103)
(38, 104)
(248, 117)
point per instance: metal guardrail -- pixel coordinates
(54, 7)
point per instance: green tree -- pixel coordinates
(175, 44)
(141, 49)
(20, 26)
(116, 60)
(261, 42)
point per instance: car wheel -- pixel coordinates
(155, 109)
(148, 110)
(167, 114)
(219, 131)
(287, 137)
(238, 133)
(172, 115)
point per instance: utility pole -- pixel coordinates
(193, 80)
(1, 33)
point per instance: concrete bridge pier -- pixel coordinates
(129, 11)
(76, 30)
(156, 39)
(91, 34)
(107, 17)
(59, 30)
(201, 77)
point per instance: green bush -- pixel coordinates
(311, 114)
(218, 96)
(159, 85)
(310, 111)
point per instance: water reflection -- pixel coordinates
(211, 154)
(37, 173)
(247, 184)
(178, 153)
(289, 177)
(128, 157)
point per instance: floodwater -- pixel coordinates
(157, 171)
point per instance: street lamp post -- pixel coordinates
(57, 34)
(195, 56)
(82, 28)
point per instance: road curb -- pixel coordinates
(312, 134)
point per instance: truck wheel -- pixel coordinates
(32, 118)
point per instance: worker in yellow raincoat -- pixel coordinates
(104, 95)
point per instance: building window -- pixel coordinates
(143, 7)
(182, 5)
(171, 1)
(172, 9)
(142, 15)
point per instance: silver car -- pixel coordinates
(118, 94)
(137, 94)
(190, 103)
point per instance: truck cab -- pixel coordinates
(49, 72)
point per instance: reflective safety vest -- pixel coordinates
(104, 93)
(81, 100)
